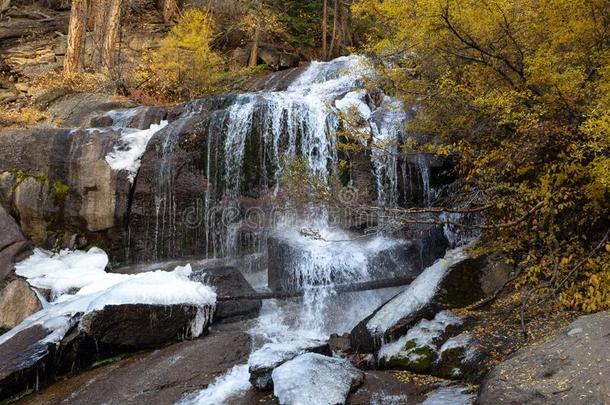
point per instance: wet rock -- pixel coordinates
(17, 302)
(229, 282)
(460, 358)
(139, 326)
(569, 368)
(262, 362)
(27, 361)
(420, 349)
(394, 260)
(13, 245)
(163, 376)
(315, 379)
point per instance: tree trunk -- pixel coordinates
(98, 24)
(334, 38)
(111, 34)
(255, 45)
(73, 62)
(169, 9)
(324, 29)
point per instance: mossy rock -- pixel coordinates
(418, 360)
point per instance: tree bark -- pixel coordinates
(98, 25)
(170, 9)
(325, 29)
(73, 62)
(111, 34)
(334, 38)
(255, 45)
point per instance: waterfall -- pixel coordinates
(234, 147)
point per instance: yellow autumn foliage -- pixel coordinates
(521, 89)
(185, 66)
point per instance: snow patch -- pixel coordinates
(418, 294)
(79, 284)
(424, 333)
(127, 154)
(315, 379)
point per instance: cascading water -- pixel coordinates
(228, 153)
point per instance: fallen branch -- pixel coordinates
(342, 288)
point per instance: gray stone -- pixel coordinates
(229, 282)
(17, 302)
(570, 368)
(13, 245)
(162, 376)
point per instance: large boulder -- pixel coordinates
(272, 355)
(17, 302)
(58, 184)
(570, 368)
(454, 281)
(13, 245)
(228, 282)
(27, 360)
(315, 379)
(35, 355)
(140, 326)
(163, 376)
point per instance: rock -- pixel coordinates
(339, 343)
(140, 326)
(4, 5)
(263, 361)
(315, 379)
(26, 361)
(17, 302)
(387, 262)
(275, 58)
(47, 98)
(13, 245)
(420, 349)
(78, 109)
(387, 388)
(460, 358)
(58, 183)
(473, 280)
(35, 356)
(570, 368)
(229, 282)
(163, 376)
(452, 282)
(399, 314)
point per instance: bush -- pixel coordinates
(185, 66)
